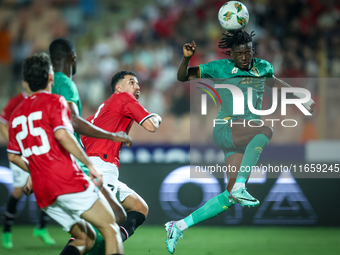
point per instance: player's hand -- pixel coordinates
(189, 49)
(122, 137)
(159, 118)
(309, 105)
(97, 178)
(28, 189)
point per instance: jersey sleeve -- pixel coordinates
(208, 70)
(60, 117)
(134, 109)
(9, 108)
(270, 70)
(12, 146)
(70, 92)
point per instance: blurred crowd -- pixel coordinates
(301, 38)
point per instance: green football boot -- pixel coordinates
(173, 235)
(44, 235)
(7, 240)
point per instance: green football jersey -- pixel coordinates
(65, 87)
(227, 73)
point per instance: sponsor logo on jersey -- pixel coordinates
(235, 69)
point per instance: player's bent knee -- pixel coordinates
(145, 210)
(135, 203)
(142, 207)
(267, 131)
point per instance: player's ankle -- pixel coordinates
(181, 225)
(237, 186)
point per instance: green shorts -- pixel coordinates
(223, 139)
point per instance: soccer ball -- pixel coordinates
(233, 15)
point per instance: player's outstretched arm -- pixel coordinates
(278, 83)
(152, 123)
(4, 130)
(18, 160)
(86, 128)
(184, 73)
(69, 142)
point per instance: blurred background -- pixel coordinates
(301, 38)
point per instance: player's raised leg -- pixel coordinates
(134, 205)
(210, 209)
(136, 208)
(72, 210)
(83, 239)
(254, 139)
(116, 207)
(101, 217)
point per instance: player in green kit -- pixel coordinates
(64, 60)
(241, 144)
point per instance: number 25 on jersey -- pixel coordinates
(34, 131)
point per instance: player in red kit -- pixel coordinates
(118, 114)
(40, 142)
(19, 180)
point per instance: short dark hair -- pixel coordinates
(60, 49)
(235, 38)
(36, 69)
(120, 76)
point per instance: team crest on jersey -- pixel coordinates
(255, 71)
(235, 69)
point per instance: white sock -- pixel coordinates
(237, 186)
(181, 225)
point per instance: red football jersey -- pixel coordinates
(11, 105)
(115, 114)
(32, 125)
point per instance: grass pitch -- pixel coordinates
(150, 240)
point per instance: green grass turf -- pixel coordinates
(149, 240)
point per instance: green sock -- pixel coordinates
(210, 209)
(251, 156)
(98, 246)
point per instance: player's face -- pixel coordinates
(130, 84)
(243, 55)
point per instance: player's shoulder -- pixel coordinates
(19, 108)
(52, 99)
(125, 96)
(62, 81)
(55, 96)
(262, 62)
